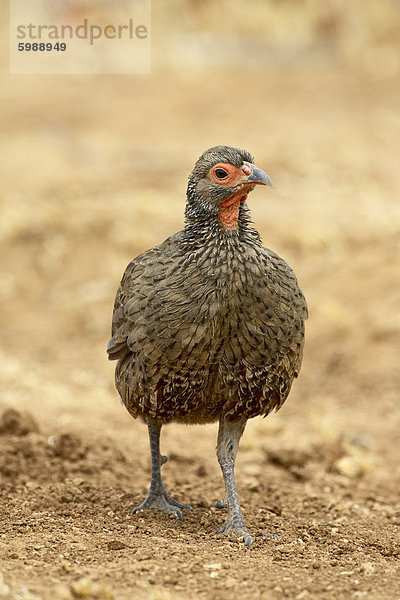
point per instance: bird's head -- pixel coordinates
(221, 180)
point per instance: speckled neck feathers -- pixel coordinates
(203, 224)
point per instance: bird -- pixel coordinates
(208, 326)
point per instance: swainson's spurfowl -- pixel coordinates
(209, 325)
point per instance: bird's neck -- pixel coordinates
(224, 225)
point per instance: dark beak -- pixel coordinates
(258, 176)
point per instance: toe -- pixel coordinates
(164, 503)
(173, 502)
(175, 511)
(240, 531)
(244, 536)
(181, 506)
(142, 506)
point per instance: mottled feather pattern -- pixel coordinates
(207, 326)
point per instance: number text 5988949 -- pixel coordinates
(42, 47)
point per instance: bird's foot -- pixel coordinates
(235, 525)
(164, 502)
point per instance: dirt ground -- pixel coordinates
(93, 171)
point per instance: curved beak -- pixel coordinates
(257, 175)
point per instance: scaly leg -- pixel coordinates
(158, 496)
(229, 435)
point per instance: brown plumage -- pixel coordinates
(208, 325)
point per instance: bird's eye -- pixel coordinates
(220, 173)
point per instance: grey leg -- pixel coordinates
(229, 435)
(158, 496)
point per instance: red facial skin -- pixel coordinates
(229, 209)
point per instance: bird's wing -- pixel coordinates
(134, 296)
(290, 312)
(273, 316)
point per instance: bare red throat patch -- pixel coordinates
(229, 211)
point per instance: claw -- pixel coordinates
(239, 530)
(172, 501)
(172, 510)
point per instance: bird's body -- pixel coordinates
(207, 331)
(210, 324)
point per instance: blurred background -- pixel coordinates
(94, 170)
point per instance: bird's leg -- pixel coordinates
(229, 435)
(224, 502)
(158, 496)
